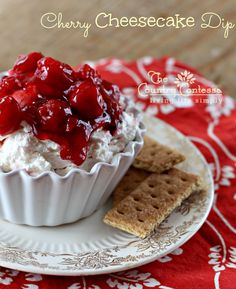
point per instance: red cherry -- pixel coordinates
(8, 85)
(26, 97)
(10, 115)
(87, 100)
(26, 63)
(53, 115)
(23, 78)
(55, 73)
(47, 90)
(29, 99)
(87, 72)
(77, 148)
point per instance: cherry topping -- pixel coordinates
(76, 151)
(87, 100)
(9, 110)
(87, 72)
(111, 89)
(71, 123)
(27, 96)
(8, 85)
(60, 104)
(74, 145)
(53, 115)
(54, 73)
(26, 63)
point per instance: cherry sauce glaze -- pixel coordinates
(59, 103)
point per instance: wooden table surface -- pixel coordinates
(205, 49)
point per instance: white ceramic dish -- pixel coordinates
(90, 247)
(50, 199)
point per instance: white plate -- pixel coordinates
(90, 247)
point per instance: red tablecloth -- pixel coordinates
(208, 260)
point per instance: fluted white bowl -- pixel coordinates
(51, 200)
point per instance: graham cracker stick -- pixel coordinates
(156, 158)
(151, 202)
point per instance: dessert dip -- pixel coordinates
(53, 118)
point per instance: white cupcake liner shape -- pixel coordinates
(51, 200)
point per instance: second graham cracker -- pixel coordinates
(156, 158)
(163, 159)
(151, 202)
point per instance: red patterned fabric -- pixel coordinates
(208, 260)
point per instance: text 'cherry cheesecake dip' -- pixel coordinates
(66, 139)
